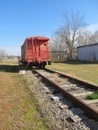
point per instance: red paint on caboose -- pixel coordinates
(35, 51)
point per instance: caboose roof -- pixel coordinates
(38, 38)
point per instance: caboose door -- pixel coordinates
(36, 51)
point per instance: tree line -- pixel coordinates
(2, 54)
(71, 34)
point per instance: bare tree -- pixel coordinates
(56, 44)
(2, 54)
(96, 35)
(57, 49)
(69, 31)
(86, 37)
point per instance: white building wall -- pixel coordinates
(88, 53)
(96, 52)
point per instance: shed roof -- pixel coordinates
(95, 44)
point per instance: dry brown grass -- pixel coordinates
(17, 108)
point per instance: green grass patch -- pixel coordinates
(29, 114)
(93, 96)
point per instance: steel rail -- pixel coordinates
(91, 112)
(91, 85)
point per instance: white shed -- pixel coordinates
(88, 52)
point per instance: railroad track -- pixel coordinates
(73, 88)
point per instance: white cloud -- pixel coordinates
(92, 28)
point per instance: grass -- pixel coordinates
(93, 96)
(88, 72)
(18, 109)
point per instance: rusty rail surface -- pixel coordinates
(93, 86)
(91, 112)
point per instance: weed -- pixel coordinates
(93, 96)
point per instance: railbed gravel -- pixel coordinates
(71, 118)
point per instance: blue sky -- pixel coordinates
(22, 18)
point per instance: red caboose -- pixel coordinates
(35, 51)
